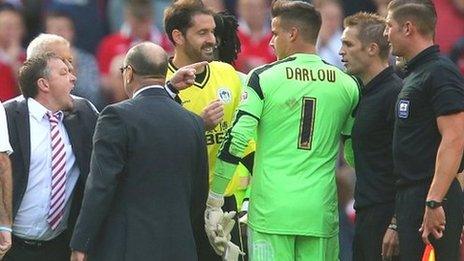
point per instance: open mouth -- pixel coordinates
(209, 49)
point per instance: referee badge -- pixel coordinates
(403, 109)
(225, 95)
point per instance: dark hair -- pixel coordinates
(144, 65)
(139, 9)
(59, 14)
(370, 30)
(226, 33)
(420, 12)
(7, 7)
(178, 16)
(32, 70)
(300, 14)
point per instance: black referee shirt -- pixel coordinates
(372, 140)
(433, 87)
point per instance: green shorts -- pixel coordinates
(270, 247)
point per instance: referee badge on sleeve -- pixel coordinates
(403, 109)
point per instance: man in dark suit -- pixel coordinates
(149, 172)
(50, 133)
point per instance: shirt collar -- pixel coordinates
(306, 56)
(374, 83)
(144, 88)
(37, 110)
(426, 54)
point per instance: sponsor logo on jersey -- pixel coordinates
(225, 95)
(403, 109)
(216, 135)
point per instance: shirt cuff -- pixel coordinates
(171, 90)
(7, 149)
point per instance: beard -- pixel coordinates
(200, 54)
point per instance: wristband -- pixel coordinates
(393, 227)
(8, 229)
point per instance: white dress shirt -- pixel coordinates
(31, 219)
(4, 140)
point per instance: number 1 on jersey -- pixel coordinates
(308, 112)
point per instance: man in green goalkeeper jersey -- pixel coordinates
(300, 106)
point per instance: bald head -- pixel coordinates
(148, 60)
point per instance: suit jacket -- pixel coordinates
(79, 124)
(147, 187)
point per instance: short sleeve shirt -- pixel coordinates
(372, 140)
(433, 87)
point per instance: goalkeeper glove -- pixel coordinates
(225, 226)
(213, 217)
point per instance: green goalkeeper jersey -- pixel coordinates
(300, 107)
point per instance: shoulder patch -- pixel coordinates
(253, 83)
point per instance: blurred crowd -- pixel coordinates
(102, 31)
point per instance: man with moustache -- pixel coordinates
(365, 51)
(428, 140)
(216, 92)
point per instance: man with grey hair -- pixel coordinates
(59, 45)
(49, 43)
(148, 180)
(40, 232)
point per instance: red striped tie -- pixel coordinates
(55, 214)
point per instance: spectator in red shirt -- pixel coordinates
(12, 54)
(8, 87)
(137, 27)
(254, 34)
(450, 23)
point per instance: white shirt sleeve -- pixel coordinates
(172, 94)
(4, 139)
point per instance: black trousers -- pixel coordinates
(370, 226)
(56, 249)
(206, 251)
(410, 207)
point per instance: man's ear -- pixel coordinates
(373, 49)
(130, 76)
(294, 33)
(43, 85)
(178, 37)
(408, 28)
